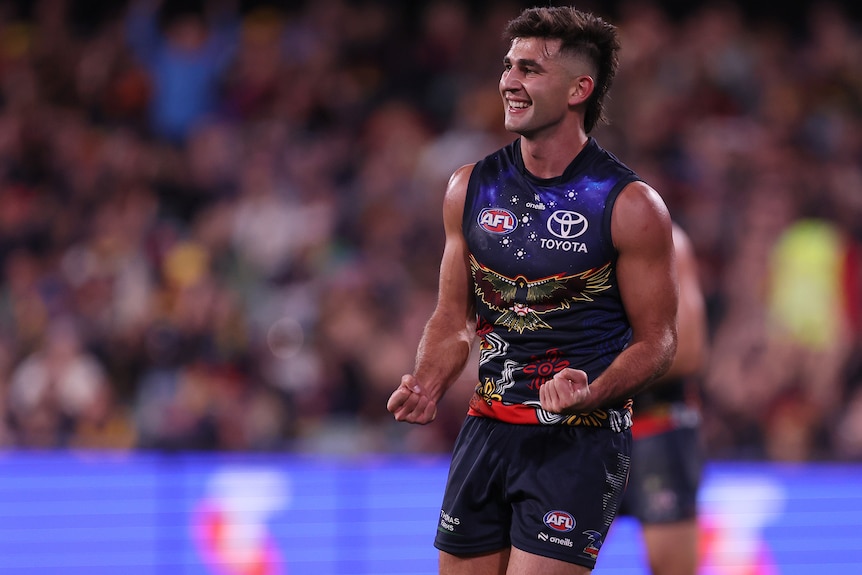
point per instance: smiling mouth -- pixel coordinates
(517, 105)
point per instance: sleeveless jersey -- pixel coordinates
(544, 276)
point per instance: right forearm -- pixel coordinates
(443, 352)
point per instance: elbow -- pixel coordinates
(670, 344)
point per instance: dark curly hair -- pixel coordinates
(580, 33)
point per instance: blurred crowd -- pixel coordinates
(220, 222)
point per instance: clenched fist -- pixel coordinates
(568, 392)
(410, 403)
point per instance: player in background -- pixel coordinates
(667, 457)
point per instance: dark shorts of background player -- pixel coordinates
(665, 477)
(548, 490)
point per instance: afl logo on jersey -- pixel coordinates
(567, 225)
(497, 220)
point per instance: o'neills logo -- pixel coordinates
(497, 220)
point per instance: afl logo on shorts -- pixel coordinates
(559, 521)
(497, 220)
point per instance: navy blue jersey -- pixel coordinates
(544, 271)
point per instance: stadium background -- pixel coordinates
(219, 237)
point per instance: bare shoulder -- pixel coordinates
(456, 193)
(458, 182)
(682, 242)
(639, 215)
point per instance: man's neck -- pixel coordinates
(549, 157)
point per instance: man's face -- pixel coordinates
(536, 84)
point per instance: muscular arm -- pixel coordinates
(448, 335)
(646, 272)
(691, 317)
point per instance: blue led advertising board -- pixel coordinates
(149, 514)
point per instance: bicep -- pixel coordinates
(646, 267)
(455, 294)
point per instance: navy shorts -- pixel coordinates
(548, 490)
(665, 477)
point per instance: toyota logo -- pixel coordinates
(567, 225)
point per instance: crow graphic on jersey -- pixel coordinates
(522, 301)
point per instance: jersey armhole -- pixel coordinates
(609, 208)
(470, 197)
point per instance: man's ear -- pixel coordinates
(581, 90)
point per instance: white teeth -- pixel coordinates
(518, 104)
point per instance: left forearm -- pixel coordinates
(638, 366)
